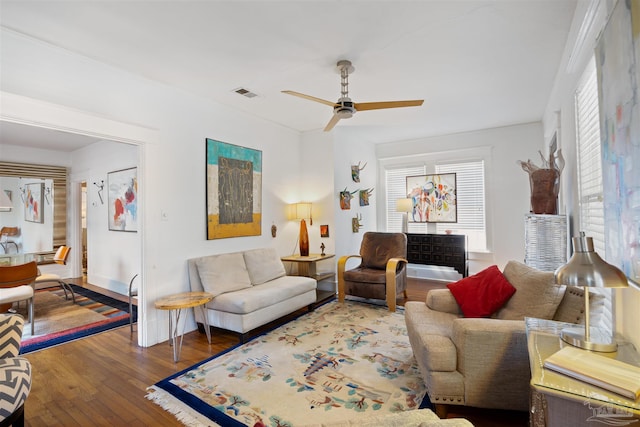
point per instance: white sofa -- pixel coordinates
(250, 289)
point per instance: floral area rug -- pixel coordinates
(341, 361)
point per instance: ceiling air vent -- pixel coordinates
(245, 92)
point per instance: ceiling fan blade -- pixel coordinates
(388, 104)
(334, 120)
(309, 97)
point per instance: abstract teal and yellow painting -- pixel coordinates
(234, 190)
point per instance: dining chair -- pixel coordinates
(6, 235)
(61, 256)
(133, 292)
(16, 284)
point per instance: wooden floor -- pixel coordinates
(101, 380)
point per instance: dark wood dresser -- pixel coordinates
(445, 250)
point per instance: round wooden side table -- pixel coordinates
(175, 304)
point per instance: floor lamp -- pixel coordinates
(301, 211)
(587, 269)
(405, 206)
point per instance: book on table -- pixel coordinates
(601, 371)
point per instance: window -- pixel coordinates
(470, 199)
(590, 171)
(470, 195)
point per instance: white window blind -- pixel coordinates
(396, 181)
(590, 171)
(470, 202)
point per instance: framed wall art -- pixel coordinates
(324, 231)
(433, 198)
(123, 199)
(234, 190)
(618, 70)
(34, 193)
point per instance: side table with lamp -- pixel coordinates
(561, 400)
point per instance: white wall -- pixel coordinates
(350, 149)
(172, 166)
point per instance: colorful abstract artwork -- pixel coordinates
(234, 190)
(123, 200)
(617, 58)
(433, 197)
(33, 202)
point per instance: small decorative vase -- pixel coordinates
(544, 191)
(304, 239)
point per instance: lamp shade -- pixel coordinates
(404, 205)
(586, 268)
(302, 210)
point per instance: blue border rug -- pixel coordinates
(116, 314)
(341, 361)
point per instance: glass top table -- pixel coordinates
(17, 259)
(543, 339)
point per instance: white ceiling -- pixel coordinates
(477, 64)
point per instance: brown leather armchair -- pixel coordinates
(382, 273)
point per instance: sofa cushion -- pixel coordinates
(260, 296)
(263, 265)
(536, 295)
(571, 308)
(483, 293)
(223, 273)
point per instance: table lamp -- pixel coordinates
(587, 269)
(405, 206)
(301, 211)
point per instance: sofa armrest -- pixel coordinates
(443, 300)
(390, 278)
(493, 355)
(342, 265)
(482, 338)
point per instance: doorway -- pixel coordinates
(83, 228)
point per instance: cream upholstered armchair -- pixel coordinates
(382, 272)
(483, 361)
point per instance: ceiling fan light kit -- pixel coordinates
(344, 108)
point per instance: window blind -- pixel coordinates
(469, 193)
(396, 181)
(590, 189)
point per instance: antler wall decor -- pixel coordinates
(355, 171)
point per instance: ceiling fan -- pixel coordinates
(344, 108)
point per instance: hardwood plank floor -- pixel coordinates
(101, 380)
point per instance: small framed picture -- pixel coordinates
(324, 231)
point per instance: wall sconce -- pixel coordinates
(100, 189)
(301, 211)
(405, 206)
(47, 194)
(23, 193)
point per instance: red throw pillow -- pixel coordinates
(483, 293)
